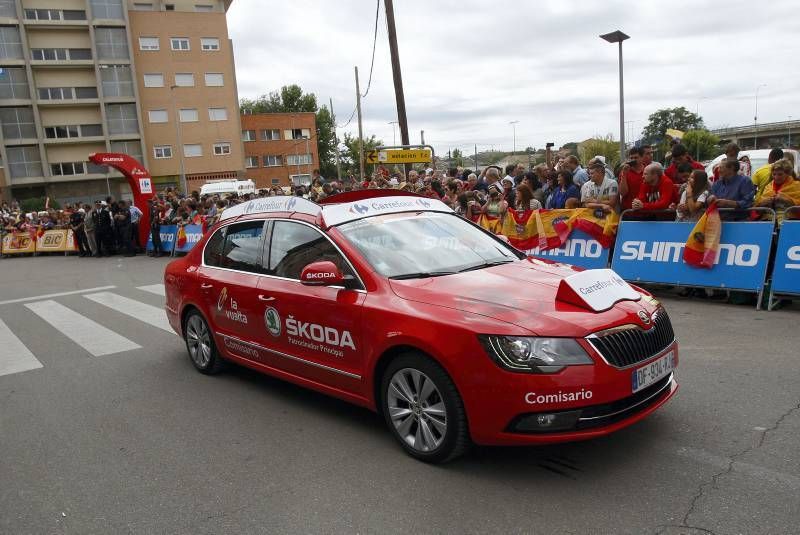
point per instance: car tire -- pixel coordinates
(428, 420)
(200, 344)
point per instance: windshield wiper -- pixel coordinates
(421, 275)
(485, 265)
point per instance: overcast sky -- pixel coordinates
(471, 67)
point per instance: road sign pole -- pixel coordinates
(360, 130)
(397, 76)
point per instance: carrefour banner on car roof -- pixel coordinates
(194, 233)
(652, 251)
(786, 273)
(168, 233)
(341, 213)
(580, 249)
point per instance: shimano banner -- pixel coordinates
(167, 238)
(652, 251)
(194, 233)
(580, 250)
(786, 273)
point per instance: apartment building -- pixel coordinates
(280, 148)
(151, 79)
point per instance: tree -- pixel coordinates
(291, 99)
(702, 144)
(600, 146)
(348, 156)
(677, 118)
(457, 158)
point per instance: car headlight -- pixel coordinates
(533, 354)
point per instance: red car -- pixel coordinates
(391, 301)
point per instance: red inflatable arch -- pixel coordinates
(140, 181)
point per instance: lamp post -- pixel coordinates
(618, 37)
(178, 135)
(514, 144)
(394, 138)
(755, 117)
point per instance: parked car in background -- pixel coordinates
(758, 159)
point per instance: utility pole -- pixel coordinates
(398, 77)
(422, 137)
(335, 145)
(360, 130)
(476, 158)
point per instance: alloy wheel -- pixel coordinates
(416, 409)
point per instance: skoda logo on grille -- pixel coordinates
(644, 316)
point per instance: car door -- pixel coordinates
(316, 331)
(229, 282)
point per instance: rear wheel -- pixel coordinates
(423, 409)
(200, 344)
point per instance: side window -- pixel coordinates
(242, 247)
(295, 245)
(212, 256)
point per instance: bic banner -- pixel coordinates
(786, 273)
(194, 233)
(167, 238)
(652, 251)
(56, 241)
(18, 243)
(580, 249)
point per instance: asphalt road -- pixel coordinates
(125, 437)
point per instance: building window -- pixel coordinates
(214, 79)
(43, 14)
(68, 168)
(10, 43)
(117, 80)
(222, 149)
(184, 79)
(14, 83)
(17, 123)
(154, 80)
(162, 152)
(204, 8)
(169, 7)
(273, 161)
(91, 130)
(188, 115)
(158, 116)
(179, 43)
(56, 93)
(107, 9)
(131, 148)
(248, 135)
(270, 135)
(250, 162)
(298, 159)
(61, 132)
(149, 43)
(298, 133)
(8, 8)
(112, 43)
(209, 43)
(60, 54)
(142, 6)
(85, 92)
(192, 150)
(122, 119)
(217, 114)
(24, 161)
(276, 181)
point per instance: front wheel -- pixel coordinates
(423, 409)
(200, 344)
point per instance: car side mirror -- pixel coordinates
(324, 273)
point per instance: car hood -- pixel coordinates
(522, 293)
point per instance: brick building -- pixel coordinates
(279, 148)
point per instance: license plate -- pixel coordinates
(651, 373)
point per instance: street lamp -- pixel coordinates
(514, 145)
(394, 138)
(178, 135)
(755, 117)
(618, 37)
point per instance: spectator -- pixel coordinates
(122, 222)
(136, 215)
(566, 194)
(656, 191)
(532, 180)
(78, 233)
(508, 190)
(602, 161)
(684, 170)
(680, 155)
(579, 175)
(694, 197)
(495, 206)
(89, 229)
(104, 229)
(524, 199)
(600, 191)
(732, 190)
(763, 174)
(783, 191)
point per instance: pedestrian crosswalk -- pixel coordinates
(96, 337)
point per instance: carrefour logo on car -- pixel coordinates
(743, 255)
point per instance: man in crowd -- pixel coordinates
(763, 174)
(656, 192)
(136, 215)
(579, 175)
(631, 176)
(89, 229)
(680, 155)
(76, 224)
(155, 226)
(732, 190)
(122, 222)
(316, 176)
(600, 191)
(104, 229)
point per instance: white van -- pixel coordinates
(758, 159)
(221, 187)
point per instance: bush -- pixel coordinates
(36, 204)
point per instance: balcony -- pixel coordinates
(72, 134)
(59, 18)
(61, 57)
(60, 96)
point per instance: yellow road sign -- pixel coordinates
(398, 156)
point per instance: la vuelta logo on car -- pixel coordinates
(309, 335)
(233, 313)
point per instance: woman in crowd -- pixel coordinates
(694, 197)
(783, 191)
(566, 194)
(495, 207)
(524, 199)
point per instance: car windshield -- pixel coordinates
(416, 245)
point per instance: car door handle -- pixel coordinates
(206, 286)
(265, 298)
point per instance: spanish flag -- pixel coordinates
(490, 223)
(702, 246)
(520, 228)
(554, 227)
(181, 239)
(600, 226)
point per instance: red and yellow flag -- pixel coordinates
(490, 223)
(702, 247)
(600, 226)
(181, 238)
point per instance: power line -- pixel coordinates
(349, 120)
(374, 42)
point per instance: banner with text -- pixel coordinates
(56, 241)
(652, 251)
(580, 249)
(194, 233)
(786, 273)
(18, 243)
(167, 238)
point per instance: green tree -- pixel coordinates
(677, 118)
(600, 146)
(291, 99)
(702, 144)
(348, 154)
(457, 158)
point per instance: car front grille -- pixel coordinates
(628, 345)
